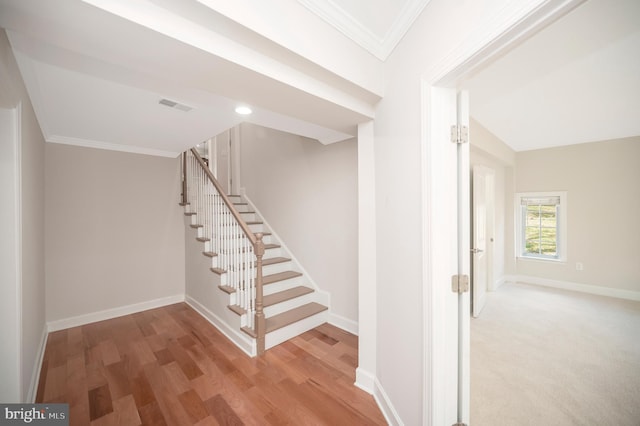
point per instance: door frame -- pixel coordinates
(440, 210)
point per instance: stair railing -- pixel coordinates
(227, 237)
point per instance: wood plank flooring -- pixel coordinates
(169, 366)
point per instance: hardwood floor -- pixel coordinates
(169, 366)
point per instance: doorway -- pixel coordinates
(446, 234)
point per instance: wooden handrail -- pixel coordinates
(184, 178)
(234, 212)
(258, 250)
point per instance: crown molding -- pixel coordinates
(380, 47)
(67, 140)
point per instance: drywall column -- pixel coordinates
(10, 302)
(367, 275)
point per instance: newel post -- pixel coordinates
(184, 179)
(259, 318)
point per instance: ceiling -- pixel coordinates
(97, 69)
(576, 81)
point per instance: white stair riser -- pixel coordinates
(282, 285)
(257, 228)
(285, 333)
(287, 305)
(277, 267)
(248, 217)
(243, 207)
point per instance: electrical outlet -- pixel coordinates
(579, 266)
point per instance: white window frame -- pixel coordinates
(561, 223)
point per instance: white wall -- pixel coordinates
(603, 196)
(27, 322)
(443, 29)
(114, 230)
(308, 193)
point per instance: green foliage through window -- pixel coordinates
(540, 229)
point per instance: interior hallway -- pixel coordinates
(169, 366)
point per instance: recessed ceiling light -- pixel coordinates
(243, 110)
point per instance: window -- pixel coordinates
(541, 225)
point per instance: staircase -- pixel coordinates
(290, 303)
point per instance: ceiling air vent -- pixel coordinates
(173, 104)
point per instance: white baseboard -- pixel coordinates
(499, 282)
(390, 414)
(245, 343)
(37, 367)
(583, 288)
(365, 380)
(113, 313)
(346, 324)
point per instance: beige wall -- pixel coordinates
(114, 230)
(30, 320)
(308, 193)
(602, 180)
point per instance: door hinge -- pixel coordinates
(459, 134)
(460, 283)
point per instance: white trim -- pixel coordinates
(579, 287)
(37, 367)
(499, 282)
(18, 241)
(87, 143)
(388, 410)
(365, 380)
(344, 323)
(244, 342)
(561, 226)
(343, 21)
(112, 313)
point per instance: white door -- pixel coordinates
(464, 221)
(482, 182)
(448, 229)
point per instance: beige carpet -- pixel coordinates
(547, 357)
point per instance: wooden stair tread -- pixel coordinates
(195, 226)
(285, 295)
(280, 276)
(190, 213)
(271, 246)
(237, 309)
(218, 271)
(274, 260)
(210, 254)
(282, 320)
(227, 289)
(203, 240)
